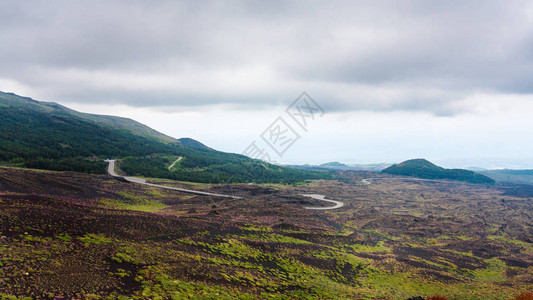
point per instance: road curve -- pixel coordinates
(111, 167)
(338, 204)
(111, 171)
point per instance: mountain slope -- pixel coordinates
(50, 140)
(422, 168)
(192, 143)
(49, 136)
(15, 101)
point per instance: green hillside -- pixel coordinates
(192, 143)
(25, 103)
(422, 168)
(50, 136)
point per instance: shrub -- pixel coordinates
(524, 296)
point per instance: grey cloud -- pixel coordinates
(356, 55)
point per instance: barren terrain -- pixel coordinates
(66, 234)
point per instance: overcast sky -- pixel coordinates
(451, 81)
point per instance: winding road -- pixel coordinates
(111, 171)
(338, 204)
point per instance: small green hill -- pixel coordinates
(422, 168)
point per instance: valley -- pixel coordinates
(269, 150)
(75, 235)
(111, 171)
(172, 218)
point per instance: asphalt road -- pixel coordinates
(111, 171)
(338, 204)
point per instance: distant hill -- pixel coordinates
(47, 135)
(343, 167)
(475, 169)
(371, 167)
(513, 176)
(422, 168)
(513, 172)
(333, 164)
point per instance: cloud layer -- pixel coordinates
(429, 56)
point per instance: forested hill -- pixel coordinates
(47, 135)
(134, 127)
(422, 168)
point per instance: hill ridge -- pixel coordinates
(425, 169)
(47, 135)
(117, 122)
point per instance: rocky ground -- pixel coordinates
(71, 235)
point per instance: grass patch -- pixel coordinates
(494, 272)
(378, 248)
(469, 254)
(528, 247)
(250, 227)
(65, 237)
(273, 237)
(143, 205)
(94, 239)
